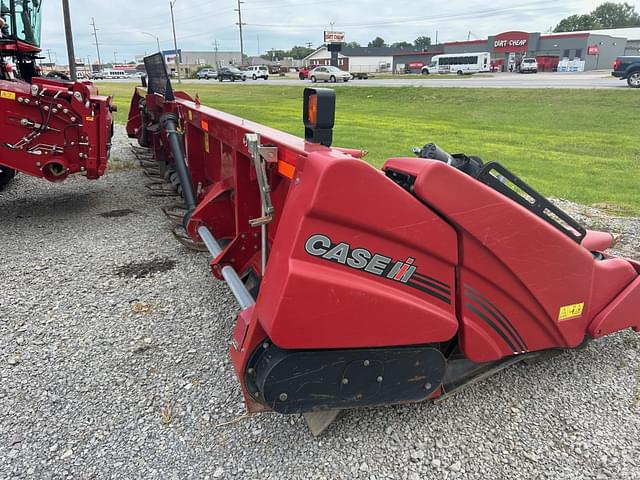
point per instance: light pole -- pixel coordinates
(175, 41)
(154, 36)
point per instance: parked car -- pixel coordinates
(303, 72)
(97, 76)
(627, 68)
(329, 74)
(231, 73)
(256, 72)
(206, 74)
(529, 65)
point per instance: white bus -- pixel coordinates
(115, 74)
(460, 63)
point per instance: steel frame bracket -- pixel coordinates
(262, 156)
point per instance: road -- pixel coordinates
(587, 80)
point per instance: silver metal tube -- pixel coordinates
(264, 245)
(210, 242)
(239, 291)
(244, 298)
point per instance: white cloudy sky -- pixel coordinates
(282, 23)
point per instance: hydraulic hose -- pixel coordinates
(169, 123)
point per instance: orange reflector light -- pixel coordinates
(319, 115)
(312, 110)
(286, 169)
(204, 125)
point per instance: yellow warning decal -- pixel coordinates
(206, 142)
(571, 311)
(89, 119)
(190, 115)
(7, 95)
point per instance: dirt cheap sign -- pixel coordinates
(511, 42)
(334, 37)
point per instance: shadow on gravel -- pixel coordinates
(117, 213)
(146, 268)
(49, 204)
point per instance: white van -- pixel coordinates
(115, 74)
(459, 63)
(256, 72)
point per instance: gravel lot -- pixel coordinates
(106, 372)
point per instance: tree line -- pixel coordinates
(420, 43)
(298, 52)
(607, 15)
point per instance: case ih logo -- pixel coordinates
(362, 259)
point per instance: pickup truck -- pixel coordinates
(629, 68)
(303, 72)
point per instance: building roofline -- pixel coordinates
(323, 47)
(468, 42)
(419, 52)
(566, 35)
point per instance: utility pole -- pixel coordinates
(69, 36)
(215, 50)
(436, 37)
(309, 44)
(115, 58)
(240, 24)
(258, 35)
(49, 54)
(95, 35)
(175, 40)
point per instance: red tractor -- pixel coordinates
(50, 127)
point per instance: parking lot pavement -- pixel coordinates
(114, 364)
(589, 80)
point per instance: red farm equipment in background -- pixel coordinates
(50, 128)
(547, 63)
(361, 287)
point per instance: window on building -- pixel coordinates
(566, 53)
(578, 53)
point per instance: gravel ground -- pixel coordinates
(113, 364)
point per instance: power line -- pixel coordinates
(413, 20)
(175, 41)
(215, 49)
(240, 24)
(69, 36)
(95, 34)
